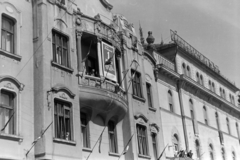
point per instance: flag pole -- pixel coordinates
(7, 122)
(125, 149)
(96, 143)
(160, 156)
(36, 140)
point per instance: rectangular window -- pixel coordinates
(149, 94)
(112, 137)
(142, 140)
(7, 111)
(154, 143)
(60, 49)
(136, 83)
(62, 120)
(7, 34)
(85, 131)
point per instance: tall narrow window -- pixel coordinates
(217, 121)
(213, 87)
(7, 34)
(112, 137)
(136, 83)
(233, 101)
(205, 115)
(142, 140)
(210, 85)
(175, 143)
(62, 120)
(211, 151)
(6, 111)
(154, 143)
(220, 90)
(191, 109)
(85, 130)
(188, 71)
(197, 148)
(223, 154)
(170, 101)
(197, 77)
(149, 95)
(184, 69)
(224, 95)
(60, 49)
(228, 126)
(237, 130)
(201, 80)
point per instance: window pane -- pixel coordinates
(9, 42)
(4, 40)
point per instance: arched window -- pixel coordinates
(188, 71)
(228, 125)
(197, 148)
(224, 95)
(184, 69)
(233, 101)
(217, 121)
(210, 85)
(220, 90)
(176, 142)
(223, 153)
(191, 108)
(201, 79)
(112, 135)
(213, 87)
(197, 77)
(211, 151)
(205, 115)
(170, 101)
(233, 155)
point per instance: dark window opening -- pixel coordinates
(112, 137)
(154, 143)
(62, 120)
(149, 95)
(6, 112)
(136, 83)
(85, 130)
(142, 140)
(60, 49)
(7, 34)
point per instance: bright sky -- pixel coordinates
(210, 26)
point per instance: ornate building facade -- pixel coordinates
(76, 83)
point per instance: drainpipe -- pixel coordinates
(180, 85)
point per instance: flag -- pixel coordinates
(85, 58)
(162, 153)
(7, 122)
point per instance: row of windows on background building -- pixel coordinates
(223, 153)
(205, 114)
(199, 78)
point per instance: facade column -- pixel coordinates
(79, 51)
(180, 85)
(99, 53)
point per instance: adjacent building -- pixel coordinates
(77, 83)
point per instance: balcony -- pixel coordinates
(102, 97)
(163, 61)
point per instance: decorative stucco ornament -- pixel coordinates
(150, 39)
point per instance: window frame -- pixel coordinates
(66, 106)
(205, 115)
(211, 151)
(136, 83)
(176, 143)
(149, 95)
(85, 142)
(154, 145)
(188, 71)
(12, 33)
(142, 136)
(228, 126)
(13, 121)
(197, 145)
(112, 148)
(170, 101)
(66, 48)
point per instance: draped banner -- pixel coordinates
(109, 64)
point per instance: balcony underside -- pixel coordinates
(103, 102)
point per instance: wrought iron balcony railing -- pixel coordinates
(161, 60)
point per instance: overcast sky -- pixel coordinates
(210, 26)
